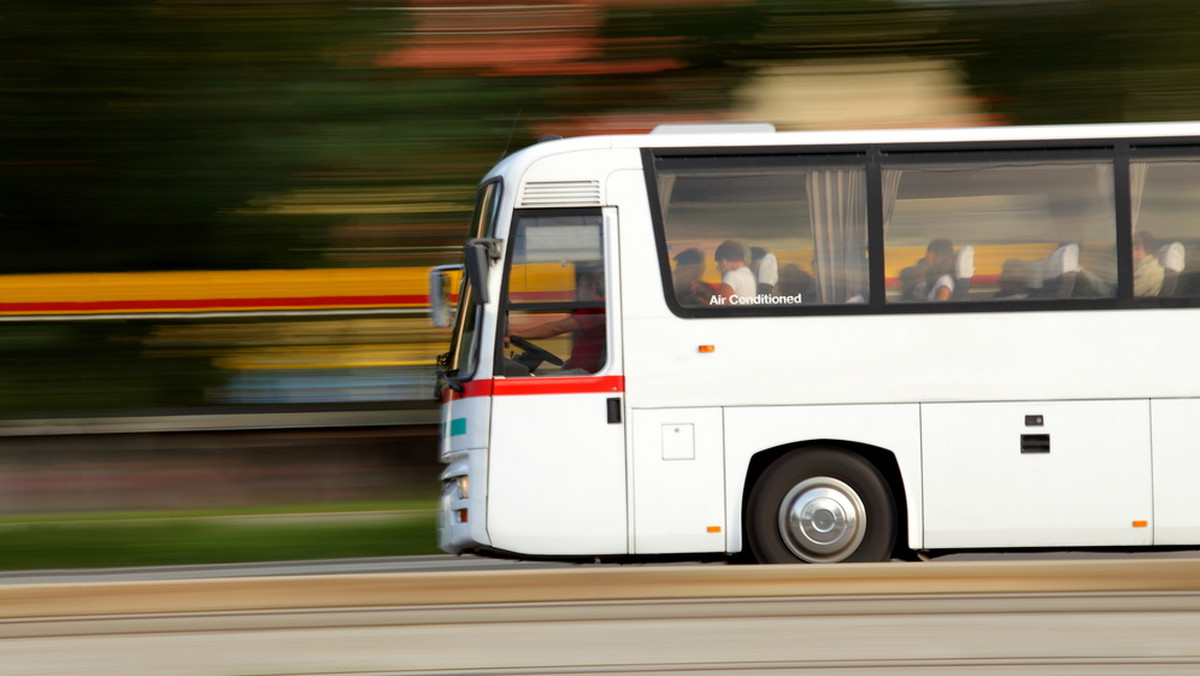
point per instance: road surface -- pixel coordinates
(1130, 616)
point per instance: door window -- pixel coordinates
(555, 303)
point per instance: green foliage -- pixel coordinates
(96, 365)
(149, 541)
(134, 133)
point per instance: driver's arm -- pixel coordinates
(548, 330)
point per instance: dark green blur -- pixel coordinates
(151, 539)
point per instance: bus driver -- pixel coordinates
(585, 323)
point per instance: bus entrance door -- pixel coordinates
(556, 473)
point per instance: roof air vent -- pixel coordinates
(561, 194)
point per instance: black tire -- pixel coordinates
(821, 506)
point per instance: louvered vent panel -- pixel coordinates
(561, 194)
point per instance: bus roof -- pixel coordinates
(762, 135)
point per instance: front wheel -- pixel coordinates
(821, 506)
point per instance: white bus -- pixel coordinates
(828, 346)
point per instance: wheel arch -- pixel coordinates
(882, 459)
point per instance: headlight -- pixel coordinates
(464, 486)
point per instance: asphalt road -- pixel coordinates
(1098, 616)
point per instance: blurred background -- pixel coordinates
(217, 217)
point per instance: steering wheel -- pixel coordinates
(533, 355)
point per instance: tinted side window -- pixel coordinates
(765, 235)
(999, 230)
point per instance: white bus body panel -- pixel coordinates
(1176, 432)
(1089, 489)
(561, 491)
(678, 481)
(952, 357)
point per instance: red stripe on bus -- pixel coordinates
(508, 387)
(568, 385)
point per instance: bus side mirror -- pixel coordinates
(441, 309)
(479, 254)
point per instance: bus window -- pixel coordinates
(555, 322)
(770, 236)
(1030, 229)
(1165, 201)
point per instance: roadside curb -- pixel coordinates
(598, 584)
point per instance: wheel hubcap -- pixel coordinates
(822, 520)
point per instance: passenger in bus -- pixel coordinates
(1148, 273)
(690, 290)
(912, 282)
(940, 273)
(737, 281)
(586, 324)
(794, 282)
(1016, 280)
(935, 272)
(765, 267)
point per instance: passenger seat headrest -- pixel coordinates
(1172, 256)
(964, 263)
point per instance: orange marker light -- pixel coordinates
(1140, 524)
(714, 529)
(708, 348)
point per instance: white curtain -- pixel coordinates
(1104, 181)
(666, 185)
(891, 188)
(837, 206)
(1137, 187)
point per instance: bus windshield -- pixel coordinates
(464, 349)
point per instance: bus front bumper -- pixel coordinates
(455, 513)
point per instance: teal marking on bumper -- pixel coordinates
(456, 427)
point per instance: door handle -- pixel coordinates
(614, 410)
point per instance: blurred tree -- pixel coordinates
(1080, 61)
(96, 365)
(134, 132)
(203, 134)
(720, 46)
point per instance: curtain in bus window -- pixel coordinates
(1137, 187)
(891, 188)
(837, 209)
(666, 185)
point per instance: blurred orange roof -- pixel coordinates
(496, 39)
